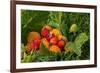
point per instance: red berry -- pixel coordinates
(61, 43)
(49, 37)
(53, 40)
(45, 32)
(36, 43)
(31, 45)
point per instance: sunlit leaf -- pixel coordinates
(77, 44)
(79, 41)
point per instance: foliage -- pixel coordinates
(79, 42)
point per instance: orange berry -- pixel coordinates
(30, 46)
(45, 42)
(55, 49)
(56, 32)
(32, 36)
(61, 37)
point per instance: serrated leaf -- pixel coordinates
(77, 44)
(81, 38)
(79, 41)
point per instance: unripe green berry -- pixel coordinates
(73, 28)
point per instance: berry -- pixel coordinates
(48, 27)
(45, 32)
(54, 40)
(61, 43)
(49, 37)
(30, 46)
(45, 42)
(55, 49)
(56, 32)
(36, 43)
(73, 28)
(32, 36)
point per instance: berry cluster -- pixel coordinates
(52, 38)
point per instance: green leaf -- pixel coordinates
(43, 50)
(54, 24)
(29, 57)
(77, 44)
(79, 41)
(70, 45)
(42, 58)
(23, 47)
(55, 19)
